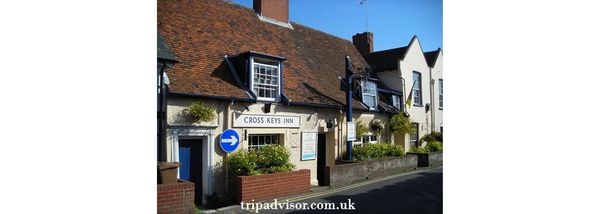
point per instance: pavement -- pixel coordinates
(412, 192)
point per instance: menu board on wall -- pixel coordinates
(309, 146)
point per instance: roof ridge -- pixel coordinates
(389, 50)
(323, 32)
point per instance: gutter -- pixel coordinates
(231, 99)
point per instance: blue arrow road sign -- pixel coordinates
(229, 140)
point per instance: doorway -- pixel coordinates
(321, 158)
(190, 160)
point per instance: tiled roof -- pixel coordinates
(201, 33)
(431, 57)
(387, 59)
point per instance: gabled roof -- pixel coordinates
(163, 51)
(388, 59)
(385, 60)
(201, 33)
(431, 57)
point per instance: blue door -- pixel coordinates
(190, 160)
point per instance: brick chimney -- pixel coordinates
(363, 42)
(273, 9)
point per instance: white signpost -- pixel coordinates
(265, 121)
(309, 146)
(351, 136)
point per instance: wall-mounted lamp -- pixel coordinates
(329, 124)
(267, 107)
(426, 107)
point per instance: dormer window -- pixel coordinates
(369, 94)
(265, 81)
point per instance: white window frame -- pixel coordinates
(259, 146)
(364, 92)
(441, 96)
(396, 101)
(417, 87)
(416, 134)
(370, 139)
(279, 78)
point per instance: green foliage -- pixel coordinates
(434, 136)
(361, 129)
(201, 112)
(376, 151)
(269, 159)
(419, 150)
(377, 127)
(401, 124)
(434, 146)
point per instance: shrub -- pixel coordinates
(401, 124)
(434, 136)
(376, 151)
(434, 146)
(377, 127)
(419, 150)
(269, 159)
(199, 111)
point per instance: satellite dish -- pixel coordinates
(165, 78)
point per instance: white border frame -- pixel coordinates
(207, 134)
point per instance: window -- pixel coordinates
(414, 138)
(417, 96)
(259, 141)
(366, 139)
(441, 94)
(369, 94)
(265, 79)
(396, 101)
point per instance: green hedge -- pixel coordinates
(376, 151)
(419, 150)
(434, 146)
(269, 159)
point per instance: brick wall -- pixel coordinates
(345, 174)
(270, 186)
(176, 198)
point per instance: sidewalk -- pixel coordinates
(319, 191)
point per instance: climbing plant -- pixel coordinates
(401, 124)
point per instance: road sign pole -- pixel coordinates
(348, 103)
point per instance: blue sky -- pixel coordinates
(393, 22)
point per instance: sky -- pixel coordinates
(393, 22)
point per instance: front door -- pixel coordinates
(190, 158)
(321, 158)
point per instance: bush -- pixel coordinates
(401, 124)
(434, 136)
(419, 150)
(376, 151)
(201, 112)
(434, 146)
(269, 159)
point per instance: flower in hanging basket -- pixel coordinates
(201, 112)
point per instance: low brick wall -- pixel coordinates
(270, 186)
(436, 158)
(350, 173)
(176, 198)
